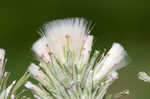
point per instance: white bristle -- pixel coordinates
(86, 51)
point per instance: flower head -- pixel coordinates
(67, 68)
(60, 35)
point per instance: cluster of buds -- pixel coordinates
(10, 91)
(68, 67)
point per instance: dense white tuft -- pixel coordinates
(70, 43)
(42, 49)
(117, 56)
(115, 59)
(70, 32)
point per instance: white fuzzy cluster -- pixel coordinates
(66, 48)
(144, 76)
(114, 60)
(61, 34)
(42, 50)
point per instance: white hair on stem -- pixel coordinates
(87, 49)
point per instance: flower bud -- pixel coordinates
(39, 75)
(42, 50)
(115, 59)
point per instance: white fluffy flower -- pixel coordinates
(114, 60)
(73, 72)
(66, 34)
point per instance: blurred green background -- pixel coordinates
(123, 21)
